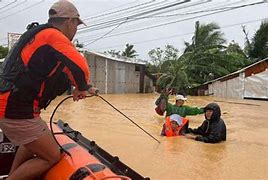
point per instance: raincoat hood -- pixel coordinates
(216, 111)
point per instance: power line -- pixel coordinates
(91, 17)
(135, 15)
(146, 17)
(22, 10)
(120, 10)
(118, 26)
(113, 22)
(14, 6)
(150, 40)
(131, 18)
(96, 16)
(197, 12)
(108, 25)
(181, 20)
(134, 8)
(180, 35)
(105, 34)
(91, 28)
(8, 4)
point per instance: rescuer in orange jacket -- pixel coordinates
(40, 67)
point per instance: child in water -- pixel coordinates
(175, 125)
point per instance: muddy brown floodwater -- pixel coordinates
(243, 156)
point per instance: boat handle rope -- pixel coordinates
(54, 111)
(51, 127)
(128, 118)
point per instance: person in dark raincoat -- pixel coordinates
(213, 129)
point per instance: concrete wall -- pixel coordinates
(148, 85)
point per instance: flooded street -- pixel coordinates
(243, 156)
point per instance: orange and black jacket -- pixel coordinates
(181, 130)
(50, 63)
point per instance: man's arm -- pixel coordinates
(214, 136)
(193, 110)
(162, 102)
(64, 51)
(200, 130)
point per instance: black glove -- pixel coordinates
(189, 130)
(157, 102)
(198, 138)
(162, 96)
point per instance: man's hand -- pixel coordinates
(79, 94)
(189, 136)
(93, 90)
(166, 91)
(199, 138)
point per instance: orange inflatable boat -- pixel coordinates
(81, 159)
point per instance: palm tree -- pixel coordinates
(208, 57)
(204, 55)
(112, 52)
(205, 35)
(203, 62)
(258, 47)
(205, 58)
(129, 51)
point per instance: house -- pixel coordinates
(118, 74)
(250, 82)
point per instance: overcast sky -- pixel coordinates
(150, 23)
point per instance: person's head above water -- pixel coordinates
(212, 112)
(175, 121)
(180, 99)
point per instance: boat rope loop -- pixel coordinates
(54, 111)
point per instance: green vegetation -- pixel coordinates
(129, 51)
(3, 52)
(257, 49)
(206, 57)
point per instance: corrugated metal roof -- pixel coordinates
(236, 72)
(119, 58)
